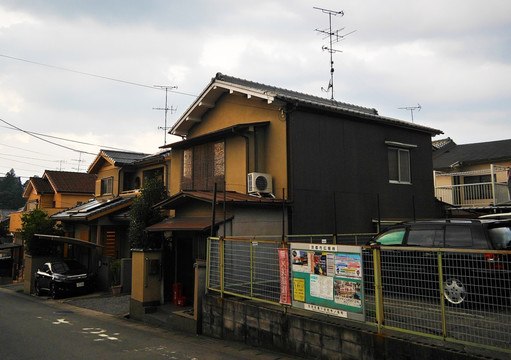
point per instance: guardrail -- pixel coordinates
(456, 295)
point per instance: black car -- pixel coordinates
(61, 277)
(472, 256)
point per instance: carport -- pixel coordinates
(80, 250)
(10, 264)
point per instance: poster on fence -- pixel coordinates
(328, 279)
(285, 293)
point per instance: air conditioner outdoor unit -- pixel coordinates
(259, 183)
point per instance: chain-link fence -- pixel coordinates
(246, 268)
(457, 295)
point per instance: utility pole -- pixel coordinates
(334, 37)
(412, 109)
(166, 109)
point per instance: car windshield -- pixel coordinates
(501, 237)
(63, 267)
(393, 237)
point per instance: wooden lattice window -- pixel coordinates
(203, 166)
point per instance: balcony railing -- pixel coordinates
(479, 194)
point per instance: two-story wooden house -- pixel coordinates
(104, 220)
(472, 177)
(54, 192)
(287, 163)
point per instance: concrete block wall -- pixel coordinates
(313, 336)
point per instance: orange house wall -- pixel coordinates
(236, 109)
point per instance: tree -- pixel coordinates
(4, 229)
(11, 191)
(38, 222)
(143, 214)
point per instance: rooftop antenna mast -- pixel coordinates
(166, 109)
(412, 109)
(334, 37)
(79, 161)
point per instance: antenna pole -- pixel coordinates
(412, 109)
(334, 37)
(166, 109)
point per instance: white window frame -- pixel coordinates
(401, 148)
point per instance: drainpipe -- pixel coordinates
(247, 151)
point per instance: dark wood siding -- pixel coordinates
(340, 165)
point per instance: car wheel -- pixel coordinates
(53, 291)
(455, 291)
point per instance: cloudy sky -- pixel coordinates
(77, 76)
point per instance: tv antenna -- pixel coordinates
(412, 109)
(166, 109)
(334, 37)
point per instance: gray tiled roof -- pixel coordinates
(476, 153)
(120, 158)
(292, 98)
(290, 95)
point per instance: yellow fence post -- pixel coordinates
(251, 269)
(442, 298)
(378, 294)
(221, 255)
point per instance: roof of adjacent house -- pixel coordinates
(222, 84)
(471, 154)
(125, 158)
(62, 182)
(40, 185)
(442, 143)
(208, 196)
(93, 209)
(71, 182)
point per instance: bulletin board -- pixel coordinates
(328, 279)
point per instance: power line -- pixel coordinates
(48, 141)
(26, 157)
(22, 162)
(90, 74)
(69, 140)
(15, 147)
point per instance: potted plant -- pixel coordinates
(115, 270)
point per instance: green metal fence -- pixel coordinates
(456, 295)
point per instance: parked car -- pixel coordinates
(472, 270)
(60, 277)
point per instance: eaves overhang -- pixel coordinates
(69, 240)
(185, 224)
(215, 135)
(228, 197)
(94, 209)
(354, 112)
(207, 100)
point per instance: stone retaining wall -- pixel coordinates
(312, 336)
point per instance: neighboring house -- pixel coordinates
(104, 220)
(122, 172)
(472, 176)
(53, 192)
(288, 163)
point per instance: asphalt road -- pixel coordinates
(41, 328)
